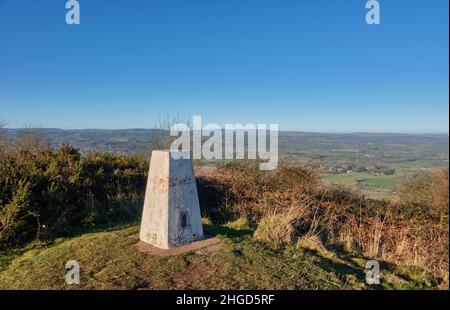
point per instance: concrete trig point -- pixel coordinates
(171, 215)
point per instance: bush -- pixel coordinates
(240, 188)
(50, 191)
(426, 196)
(17, 216)
(290, 205)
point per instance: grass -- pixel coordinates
(376, 187)
(108, 260)
(382, 181)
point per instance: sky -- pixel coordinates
(309, 65)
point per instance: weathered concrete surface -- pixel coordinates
(203, 247)
(171, 215)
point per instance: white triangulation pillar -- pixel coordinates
(171, 214)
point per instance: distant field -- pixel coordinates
(372, 186)
(409, 155)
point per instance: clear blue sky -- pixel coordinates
(308, 65)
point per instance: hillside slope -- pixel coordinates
(109, 260)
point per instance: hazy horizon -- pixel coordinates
(281, 130)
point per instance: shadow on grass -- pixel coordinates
(78, 231)
(233, 234)
(344, 270)
(212, 197)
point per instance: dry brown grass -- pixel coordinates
(279, 227)
(290, 204)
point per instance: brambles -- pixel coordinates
(290, 205)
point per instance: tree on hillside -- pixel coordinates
(2, 128)
(30, 141)
(2, 134)
(162, 139)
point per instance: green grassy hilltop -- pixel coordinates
(109, 260)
